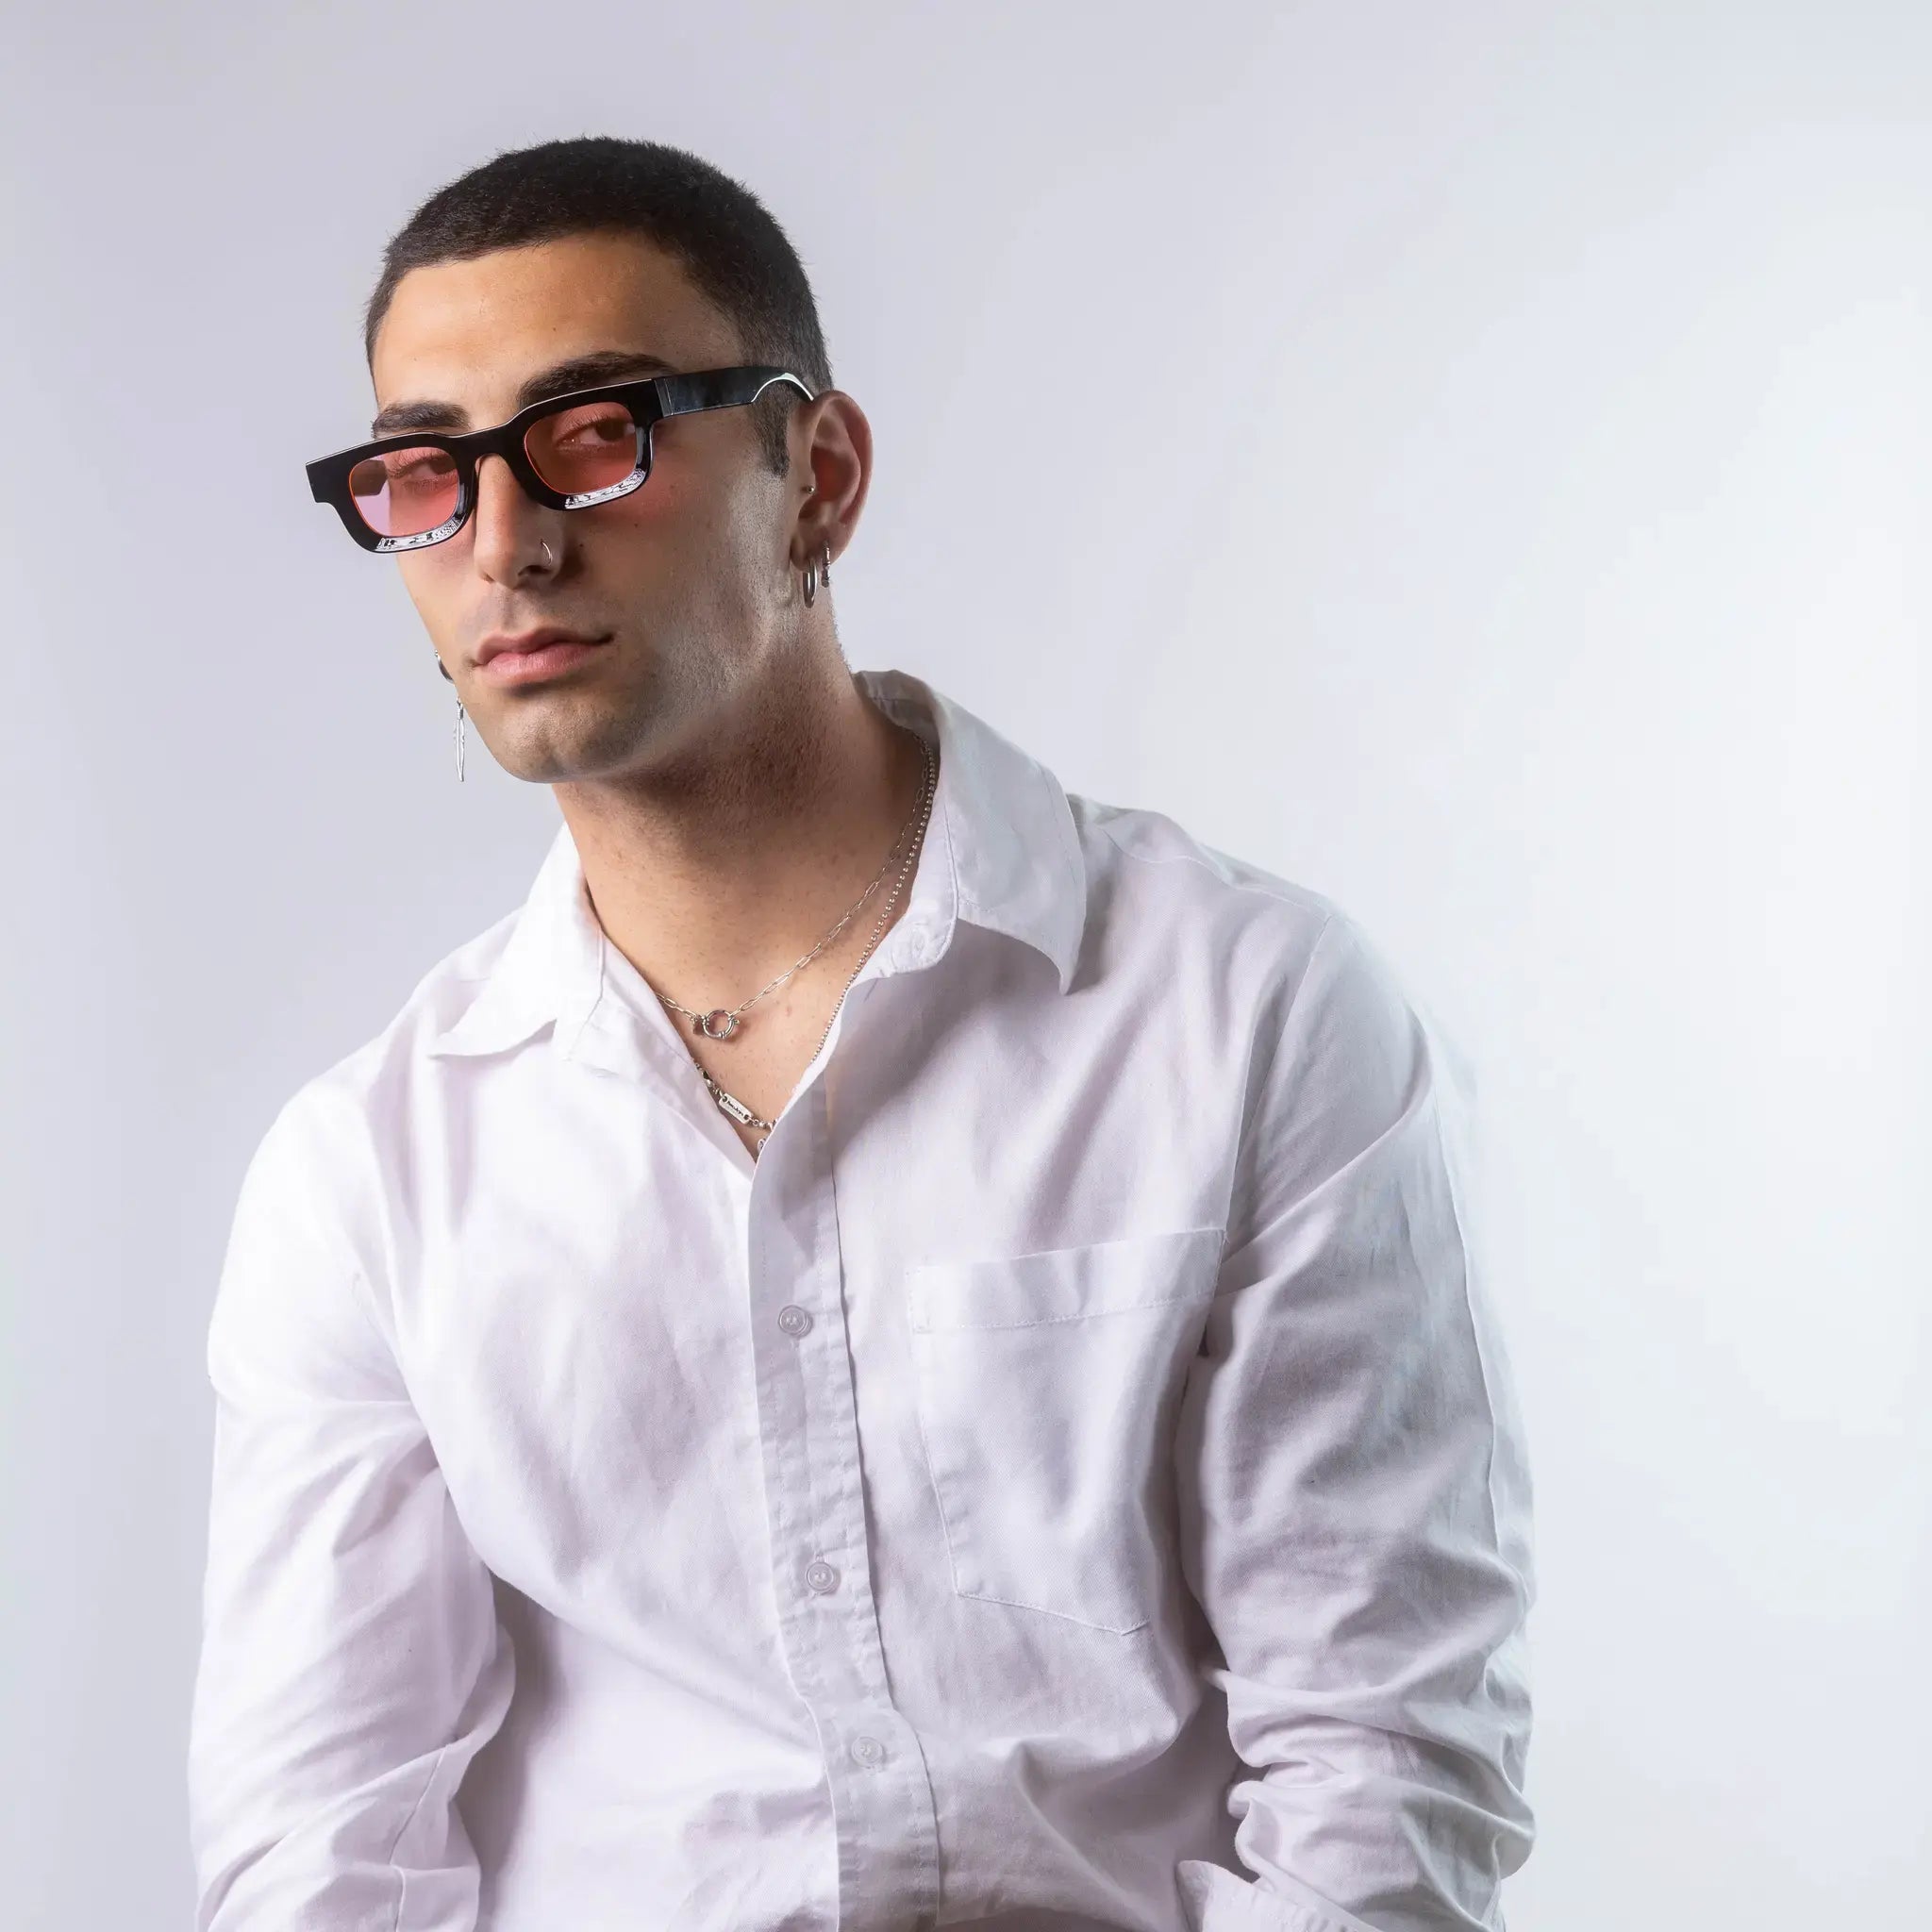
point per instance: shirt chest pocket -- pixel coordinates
(1045, 1386)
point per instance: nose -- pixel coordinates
(516, 538)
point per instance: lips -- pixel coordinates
(500, 641)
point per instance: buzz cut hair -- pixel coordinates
(723, 237)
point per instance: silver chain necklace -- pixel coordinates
(721, 1022)
(728, 1103)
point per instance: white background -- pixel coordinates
(1471, 459)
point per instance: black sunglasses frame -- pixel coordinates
(649, 399)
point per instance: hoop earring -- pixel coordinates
(811, 583)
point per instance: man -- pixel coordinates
(897, 1347)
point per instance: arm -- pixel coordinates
(1354, 1490)
(352, 1663)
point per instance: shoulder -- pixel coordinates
(1147, 869)
(1309, 976)
(337, 1144)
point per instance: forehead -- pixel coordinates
(472, 330)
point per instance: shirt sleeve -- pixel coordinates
(352, 1661)
(1354, 1487)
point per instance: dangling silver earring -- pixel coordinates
(811, 582)
(444, 669)
(825, 569)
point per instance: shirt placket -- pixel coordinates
(883, 1814)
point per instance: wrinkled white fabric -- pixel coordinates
(1071, 1480)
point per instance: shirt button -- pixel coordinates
(868, 1751)
(821, 1577)
(795, 1320)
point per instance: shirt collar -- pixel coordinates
(1007, 856)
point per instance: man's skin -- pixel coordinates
(730, 791)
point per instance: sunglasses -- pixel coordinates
(404, 492)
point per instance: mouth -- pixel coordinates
(534, 655)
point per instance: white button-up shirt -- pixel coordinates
(1069, 1480)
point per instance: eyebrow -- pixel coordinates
(580, 372)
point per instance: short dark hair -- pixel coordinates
(725, 239)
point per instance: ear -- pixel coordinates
(831, 471)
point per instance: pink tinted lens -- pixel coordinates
(589, 447)
(405, 491)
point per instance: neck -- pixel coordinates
(717, 869)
